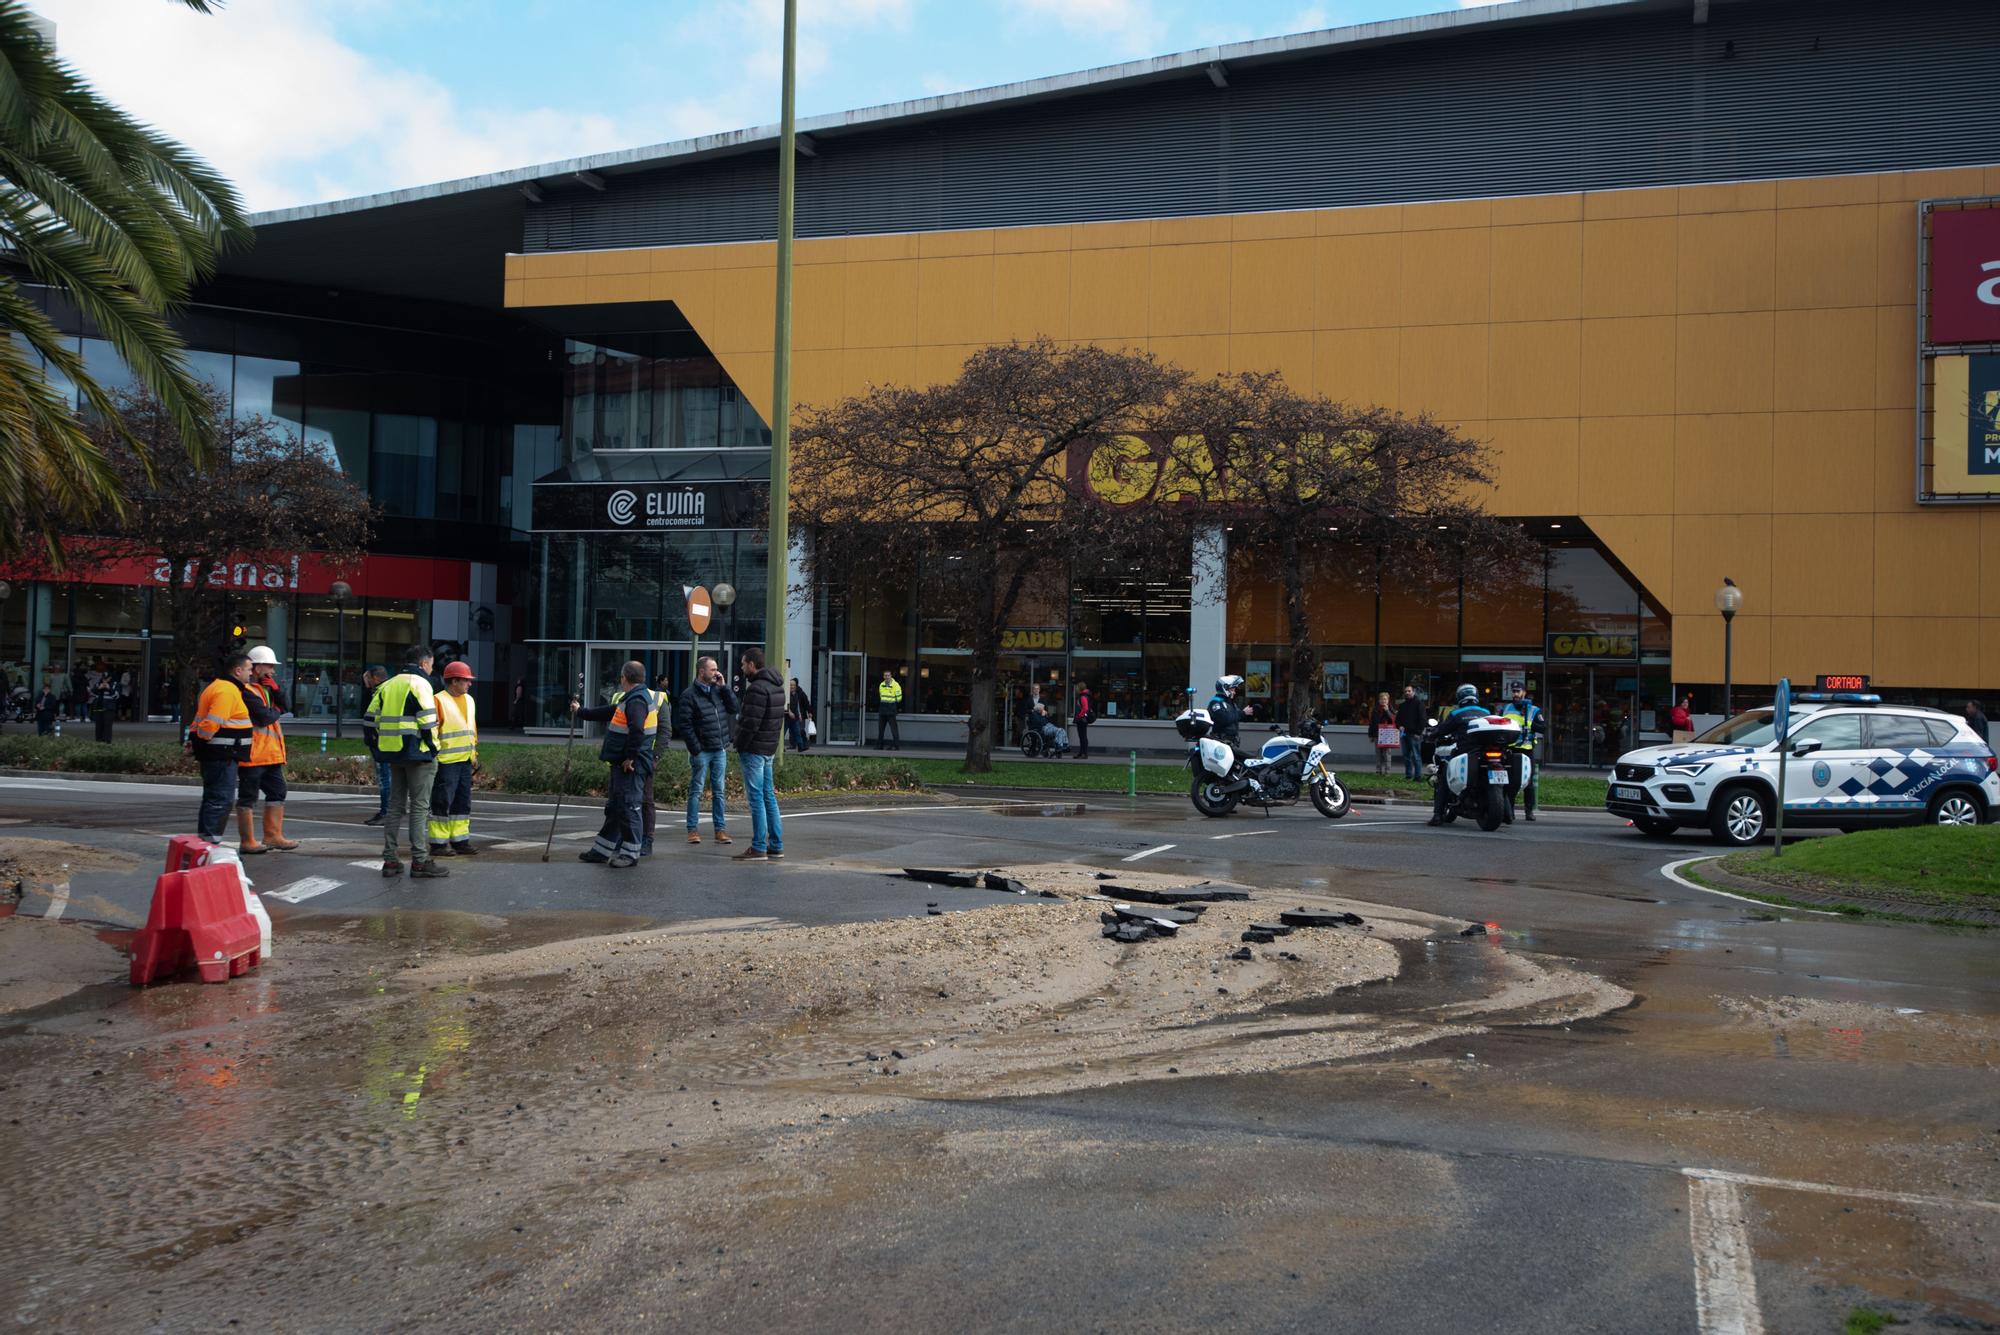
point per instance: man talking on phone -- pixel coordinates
(705, 718)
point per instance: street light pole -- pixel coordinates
(341, 590)
(778, 568)
(1728, 600)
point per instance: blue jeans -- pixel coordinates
(1413, 765)
(706, 768)
(382, 768)
(767, 833)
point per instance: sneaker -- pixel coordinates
(694, 836)
(591, 855)
(427, 870)
(377, 818)
(623, 860)
(464, 850)
(775, 855)
(391, 867)
(722, 837)
(751, 855)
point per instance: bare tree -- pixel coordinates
(964, 484)
(259, 497)
(1306, 483)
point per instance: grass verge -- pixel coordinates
(1927, 864)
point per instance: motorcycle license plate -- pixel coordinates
(1628, 794)
(1497, 777)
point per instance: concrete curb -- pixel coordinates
(1712, 872)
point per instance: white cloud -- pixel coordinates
(276, 101)
(1310, 19)
(1129, 26)
(1479, 4)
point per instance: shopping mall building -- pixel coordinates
(1719, 281)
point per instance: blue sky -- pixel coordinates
(301, 100)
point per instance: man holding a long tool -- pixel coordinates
(633, 723)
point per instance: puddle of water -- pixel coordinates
(1052, 809)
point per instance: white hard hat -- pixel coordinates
(262, 654)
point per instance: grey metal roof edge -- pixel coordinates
(1507, 13)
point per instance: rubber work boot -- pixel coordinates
(274, 828)
(246, 832)
(427, 870)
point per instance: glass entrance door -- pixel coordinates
(840, 699)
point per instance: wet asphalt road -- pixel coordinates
(1520, 1179)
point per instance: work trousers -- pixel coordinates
(886, 727)
(409, 806)
(218, 794)
(451, 804)
(382, 768)
(706, 768)
(649, 815)
(767, 833)
(623, 818)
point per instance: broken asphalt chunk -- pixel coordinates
(941, 876)
(1260, 938)
(1241, 953)
(1476, 929)
(995, 881)
(1173, 917)
(1187, 895)
(1274, 928)
(1318, 918)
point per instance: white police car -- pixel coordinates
(1855, 763)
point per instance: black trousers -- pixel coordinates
(1082, 738)
(885, 727)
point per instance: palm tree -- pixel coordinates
(122, 221)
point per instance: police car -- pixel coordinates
(1855, 763)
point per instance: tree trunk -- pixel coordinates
(979, 726)
(1304, 653)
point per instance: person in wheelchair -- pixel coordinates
(1053, 738)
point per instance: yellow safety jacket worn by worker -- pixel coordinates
(404, 715)
(458, 729)
(267, 741)
(221, 729)
(889, 694)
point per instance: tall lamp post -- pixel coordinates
(341, 591)
(1728, 601)
(778, 556)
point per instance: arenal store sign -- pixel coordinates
(129, 566)
(1964, 297)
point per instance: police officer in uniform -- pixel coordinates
(1225, 716)
(888, 703)
(1451, 730)
(1534, 728)
(632, 724)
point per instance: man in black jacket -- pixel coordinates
(633, 723)
(758, 727)
(1411, 719)
(704, 716)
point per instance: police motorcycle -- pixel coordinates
(1288, 764)
(1481, 771)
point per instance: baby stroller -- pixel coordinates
(1041, 736)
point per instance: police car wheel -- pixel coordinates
(1955, 807)
(1739, 816)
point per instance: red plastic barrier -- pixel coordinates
(187, 850)
(198, 917)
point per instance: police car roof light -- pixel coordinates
(1836, 698)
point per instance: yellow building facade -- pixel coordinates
(1717, 380)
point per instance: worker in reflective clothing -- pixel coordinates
(403, 713)
(648, 811)
(264, 771)
(457, 761)
(1533, 728)
(219, 738)
(632, 725)
(888, 704)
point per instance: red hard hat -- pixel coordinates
(458, 670)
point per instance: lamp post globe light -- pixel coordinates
(1728, 601)
(341, 591)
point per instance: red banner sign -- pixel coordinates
(378, 576)
(1965, 276)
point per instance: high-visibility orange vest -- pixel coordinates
(267, 744)
(221, 728)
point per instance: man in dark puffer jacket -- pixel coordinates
(759, 724)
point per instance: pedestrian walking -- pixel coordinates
(798, 713)
(457, 762)
(47, 706)
(1387, 735)
(104, 706)
(1975, 714)
(649, 806)
(263, 770)
(1085, 715)
(373, 676)
(757, 728)
(403, 712)
(705, 717)
(632, 723)
(1410, 723)
(888, 704)
(219, 740)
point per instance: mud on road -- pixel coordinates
(402, 1109)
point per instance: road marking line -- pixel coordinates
(58, 900)
(1672, 871)
(305, 889)
(1363, 824)
(1834, 1189)
(1241, 834)
(1146, 853)
(1725, 1278)
(518, 846)
(376, 865)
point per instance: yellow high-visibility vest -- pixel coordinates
(404, 708)
(458, 729)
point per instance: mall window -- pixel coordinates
(403, 465)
